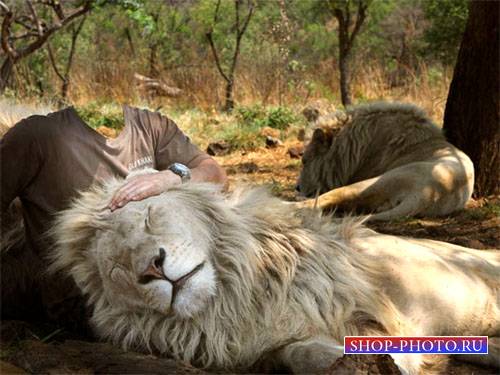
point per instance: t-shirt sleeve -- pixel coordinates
(171, 144)
(20, 161)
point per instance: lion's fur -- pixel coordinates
(413, 169)
(283, 276)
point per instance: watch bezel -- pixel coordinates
(181, 170)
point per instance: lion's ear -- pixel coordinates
(330, 134)
(318, 136)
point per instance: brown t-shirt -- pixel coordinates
(46, 160)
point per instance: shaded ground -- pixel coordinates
(477, 227)
(269, 166)
(47, 349)
(23, 351)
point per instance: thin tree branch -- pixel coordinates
(49, 31)
(216, 13)
(34, 17)
(347, 13)
(237, 16)
(25, 35)
(239, 34)
(247, 20)
(6, 46)
(360, 18)
(58, 9)
(212, 44)
(74, 37)
(216, 56)
(53, 62)
(343, 29)
(4, 7)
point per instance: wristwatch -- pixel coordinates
(181, 170)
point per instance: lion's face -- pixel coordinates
(155, 255)
(308, 183)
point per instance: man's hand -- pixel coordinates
(142, 187)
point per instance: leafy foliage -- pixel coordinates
(447, 24)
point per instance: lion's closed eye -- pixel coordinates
(150, 223)
(118, 274)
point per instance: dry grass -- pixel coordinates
(203, 88)
(428, 89)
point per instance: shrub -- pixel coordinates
(274, 117)
(95, 115)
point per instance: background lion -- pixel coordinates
(387, 158)
(227, 283)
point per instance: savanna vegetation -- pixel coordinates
(269, 53)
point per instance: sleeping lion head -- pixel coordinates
(149, 255)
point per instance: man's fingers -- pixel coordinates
(134, 192)
(121, 194)
(141, 187)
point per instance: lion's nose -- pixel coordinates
(155, 269)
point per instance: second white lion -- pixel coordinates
(388, 159)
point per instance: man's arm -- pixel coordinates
(208, 170)
(147, 185)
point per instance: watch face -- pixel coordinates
(181, 170)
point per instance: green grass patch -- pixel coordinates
(98, 114)
(483, 213)
(241, 129)
(274, 117)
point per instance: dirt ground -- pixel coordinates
(47, 349)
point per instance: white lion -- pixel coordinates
(228, 283)
(387, 158)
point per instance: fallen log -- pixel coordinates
(156, 86)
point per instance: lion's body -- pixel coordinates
(391, 159)
(285, 285)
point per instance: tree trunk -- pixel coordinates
(153, 71)
(345, 77)
(229, 105)
(64, 89)
(5, 72)
(471, 120)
